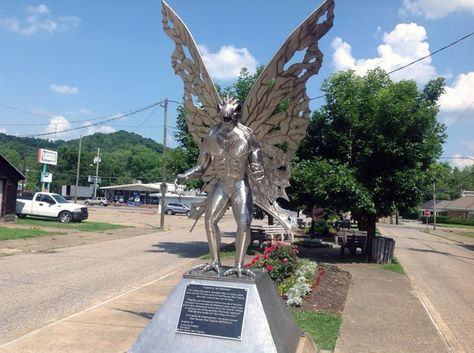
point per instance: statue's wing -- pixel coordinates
(200, 97)
(277, 107)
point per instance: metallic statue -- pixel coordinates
(246, 149)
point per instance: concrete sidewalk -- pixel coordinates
(384, 315)
(112, 326)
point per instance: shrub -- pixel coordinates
(450, 220)
(280, 260)
(302, 287)
(322, 228)
(296, 293)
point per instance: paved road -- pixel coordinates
(42, 287)
(442, 274)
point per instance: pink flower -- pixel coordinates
(269, 268)
(266, 257)
(285, 261)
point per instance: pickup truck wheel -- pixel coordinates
(87, 203)
(21, 215)
(65, 217)
(101, 204)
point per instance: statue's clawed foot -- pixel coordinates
(239, 271)
(214, 265)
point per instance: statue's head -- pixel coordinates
(230, 109)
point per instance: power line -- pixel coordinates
(460, 117)
(26, 111)
(433, 53)
(420, 59)
(55, 116)
(144, 120)
(113, 118)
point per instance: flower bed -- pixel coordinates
(292, 276)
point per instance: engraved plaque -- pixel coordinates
(215, 311)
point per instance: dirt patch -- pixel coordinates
(330, 290)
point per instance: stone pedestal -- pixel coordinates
(207, 313)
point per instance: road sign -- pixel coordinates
(46, 177)
(47, 157)
(91, 179)
(427, 213)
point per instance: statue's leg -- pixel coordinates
(215, 209)
(242, 208)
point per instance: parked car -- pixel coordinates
(102, 201)
(177, 207)
(49, 205)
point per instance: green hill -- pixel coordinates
(125, 156)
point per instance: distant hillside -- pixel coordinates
(125, 156)
(117, 140)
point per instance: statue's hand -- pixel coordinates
(180, 179)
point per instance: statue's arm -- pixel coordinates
(256, 160)
(204, 161)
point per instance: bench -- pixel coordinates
(269, 233)
(352, 242)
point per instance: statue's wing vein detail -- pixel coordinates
(200, 97)
(277, 107)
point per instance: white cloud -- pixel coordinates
(106, 129)
(3, 130)
(406, 43)
(227, 62)
(38, 19)
(40, 9)
(56, 125)
(433, 9)
(459, 96)
(462, 162)
(63, 89)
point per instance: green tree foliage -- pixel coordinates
(383, 134)
(124, 157)
(327, 184)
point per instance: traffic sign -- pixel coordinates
(427, 212)
(91, 179)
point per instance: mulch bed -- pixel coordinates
(330, 290)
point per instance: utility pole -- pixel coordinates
(24, 173)
(434, 204)
(78, 168)
(163, 176)
(97, 161)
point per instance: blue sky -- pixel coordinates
(67, 64)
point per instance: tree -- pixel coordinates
(327, 184)
(384, 133)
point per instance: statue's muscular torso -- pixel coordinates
(229, 151)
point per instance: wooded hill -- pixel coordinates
(125, 156)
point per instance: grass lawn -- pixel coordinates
(84, 226)
(228, 251)
(467, 234)
(18, 233)
(322, 327)
(444, 225)
(395, 266)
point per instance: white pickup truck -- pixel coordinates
(48, 205)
